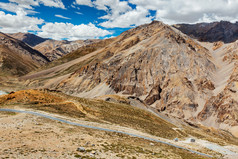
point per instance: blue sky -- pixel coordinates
(88, 19)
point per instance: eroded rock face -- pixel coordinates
(223, 108)
(153, 62)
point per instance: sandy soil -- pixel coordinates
(28, 136)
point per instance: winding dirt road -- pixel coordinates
(102, 129)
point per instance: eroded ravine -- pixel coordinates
(219, 77)
(223, 71)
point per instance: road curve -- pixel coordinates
(103, 129)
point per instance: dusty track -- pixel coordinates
(103, 129)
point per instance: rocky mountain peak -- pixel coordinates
(154, 62)
(30, 39)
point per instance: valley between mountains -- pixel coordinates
(167, 82)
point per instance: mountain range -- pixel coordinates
(185, 72)
(224, 31)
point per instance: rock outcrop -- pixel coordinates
(221, 110)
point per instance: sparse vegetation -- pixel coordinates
(111, 113)
(116, 113)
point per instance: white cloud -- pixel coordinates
(61, 16)
(53, 3)
(134, 17)
(113, 6)
(13, 7)
(26, 5)
(26, 2)
(191, 11)
(69, 31)
(213, 17)
(73, 5)
(119, 13)
(49, 3)
(78, 13)
(18, 23)
(84, 2)
(168, 11)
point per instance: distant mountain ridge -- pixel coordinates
(52, 49)
(55, 49)
(28, 38)
(17, 58)
(224, 31)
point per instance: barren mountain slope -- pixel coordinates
(166, 69)
(17, 58)
(13, 64)
(54, 49)
(221, 110)
(28, 38)
(211, 32)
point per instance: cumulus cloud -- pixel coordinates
(119, 13)
(53, 3)
(168, 11)
(27, 5)
(134, 17)
(61, 16)
(13, 7)
(26, 2)
(69, 31)
(18, 23)
(191, 11)
(49, 3)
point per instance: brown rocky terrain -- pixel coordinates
(17, 58)
(221, 110)
(140, 63)
(211, 32)
(158, 67)
(164, 68)
(28, 38)
(54, 49)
